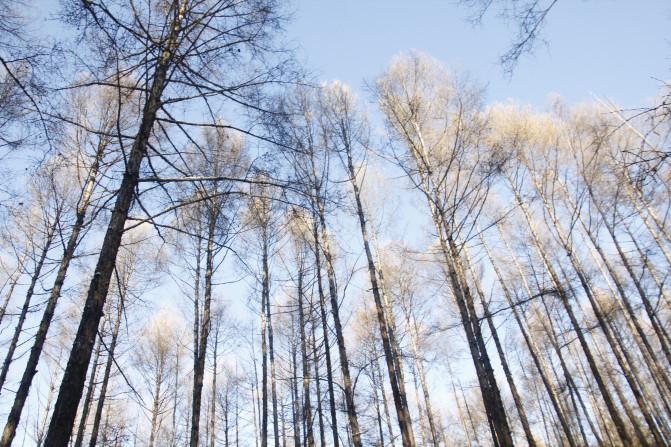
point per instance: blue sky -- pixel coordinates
(611, 48)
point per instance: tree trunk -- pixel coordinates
(72, 385)
(48, 239)
(13, 281)
(325, 336)
(108, 367)
(213, 411)
(271, 348)
(394, 364)
(199, 371)
(79, 440)
(531, 345)
(153, 429)
(315, 363)
(337, 325)
(502, 357)
(307, 407)
(50, 309)
(605, 393)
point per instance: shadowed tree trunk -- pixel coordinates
(499, 349)
(70, 391)
(90, 390)
(205, 326)
(50, 309)
(50, 232)
(111, 349)
(347, 126)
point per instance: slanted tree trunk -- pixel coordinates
(502, 356)
(394, 364)
(620, 356)
(110, 361)
(657, 371)
(40, 337)
(531, 345)
(661, 334)
(90, 390)
(605, 393)
(72, 385)
(18, 329)
(325, 336)
(337, 325)
(13, 281)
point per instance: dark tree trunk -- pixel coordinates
(72, 385)
(48, 239)
(394, 364)
(307, 406)
(40, 337)
(337, 325)
(90, 390)
(108, 368)
(325, 337)
(199, 372)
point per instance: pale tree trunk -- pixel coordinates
(644, 257)
(307, 406)
(622, 357)
(378, 414)
(42, 429)
(413, 329)
(648, 353)
(13, 281)
(256, 405)
(271, 348)
(318, 388)
(173, 431)
(425, 437)
(264, 375)
(655, 235)
(293, 384)
(460, 411)
(649, 308)
(153, 428)
(213, 411)
(383, 394)
(337, 325)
